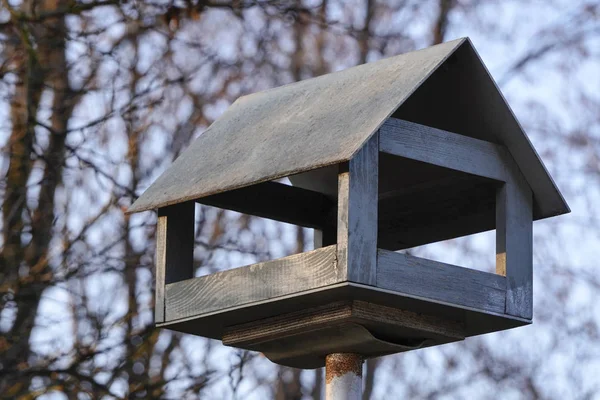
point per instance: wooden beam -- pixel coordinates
(446, 209)
(300, 338)
(440, 282)
(357, 215)
(324, 237)
(445, 149)
(258, 282)
(514, 243)
(277, 201)
(360, 312)
(174, 250)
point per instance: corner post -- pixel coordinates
(174, 250)
(514, 242)
(357, 214)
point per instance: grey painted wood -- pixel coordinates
(174, 250)
(277, 201)
(445, 209)
(215, 324)
(462, 97)
(253, 283)
(445, 149)
(357, 215)
(514, 244)
(441, 282)
(324, 237)
(323, 121)
(325, 181)
(294, 128)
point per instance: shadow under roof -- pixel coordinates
(325, 120)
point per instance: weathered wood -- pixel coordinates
(294, 128)
(253, 283)
(514, 244)
(216, 323)
(324, 237)
(445, 149)
(441, 282)
(462, 97)
(375, 315)
(322, 180)
(300, 338)
(174, 250)
(277, 201)
(359, 312)
(357, 215)
(445, 209)
(324, 121)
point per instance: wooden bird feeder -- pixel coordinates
(385, 156)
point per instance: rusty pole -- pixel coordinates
(343, 376)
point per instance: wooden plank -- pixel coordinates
(441, 282)
(301, 338)
(446, 209)
(375, 316)
(293, 128)
(442, 148)
(277, 201)
(215, 323)
(463, 97)
(357, 215)
(514, 243)
(174, 250)
(324, 237)
(253, 283)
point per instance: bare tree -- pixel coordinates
(98, 98)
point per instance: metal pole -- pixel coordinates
(343, 376)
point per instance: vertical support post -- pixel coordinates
(357, 214)
(174, 250)
(323, 237)
(514, 243)
(343, 376)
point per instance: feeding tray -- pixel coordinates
(382, 157)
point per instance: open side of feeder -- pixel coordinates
(385, 156)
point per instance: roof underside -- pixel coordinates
(326, 120)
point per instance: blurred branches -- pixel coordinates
(98, 97)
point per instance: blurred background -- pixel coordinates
(98, 97)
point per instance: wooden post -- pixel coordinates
(174, 250)
(357, 214)
(343, 376)
(514, 244)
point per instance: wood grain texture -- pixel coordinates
(277, 201)
(215, 324)
(357, 215)
(462, 97)
(174, 250)
(301, 338)
(323, 121)
(253, 283)
(373, 316)
(514, 243)
(294, 128)
(438, 210)
(442, 148)
(441, 282)
(324, 237)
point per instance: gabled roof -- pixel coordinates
(326, 120)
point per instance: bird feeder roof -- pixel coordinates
(325, 120)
